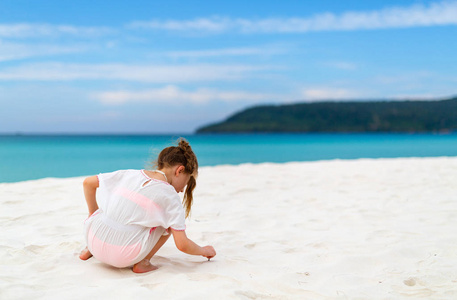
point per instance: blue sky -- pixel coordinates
(170, 67)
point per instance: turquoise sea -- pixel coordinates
(26, 157)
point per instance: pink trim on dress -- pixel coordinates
(178, 229)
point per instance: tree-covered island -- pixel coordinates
(356, 116)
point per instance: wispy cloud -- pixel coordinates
(242, 51)
(30, 30)
(214, 24)
(325, 93)
(14, 51)
(341, 65)
(173, 94)
(140, 73)
(434, 14)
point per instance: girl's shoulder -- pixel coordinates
(162, 188)
(159, 189)
(121, 172)
(119, 175)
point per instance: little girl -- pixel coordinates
(132, 213)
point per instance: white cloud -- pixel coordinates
(318, 94)
(140, 73)
(173, 94)
(215, 24)
(29, 30)
(438, 13)
(246, 51)
(14, 51)
(341, 65)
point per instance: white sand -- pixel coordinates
(363, 229)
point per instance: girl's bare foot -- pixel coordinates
(85, 254)
(144, 266)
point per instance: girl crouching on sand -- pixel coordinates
(136, 209)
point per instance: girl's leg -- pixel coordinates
(145, 265)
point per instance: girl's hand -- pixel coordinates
(209, 252)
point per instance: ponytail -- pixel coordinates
(182, 155)
(188, 197)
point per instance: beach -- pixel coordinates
(337, 229)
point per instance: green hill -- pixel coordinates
(373, 116)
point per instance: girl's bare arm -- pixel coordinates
(90, 186)
(184, 244)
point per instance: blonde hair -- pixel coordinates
(181, 155)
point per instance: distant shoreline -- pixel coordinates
(406, 116)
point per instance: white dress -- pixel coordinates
(134, 212)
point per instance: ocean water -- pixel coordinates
(26, 157)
